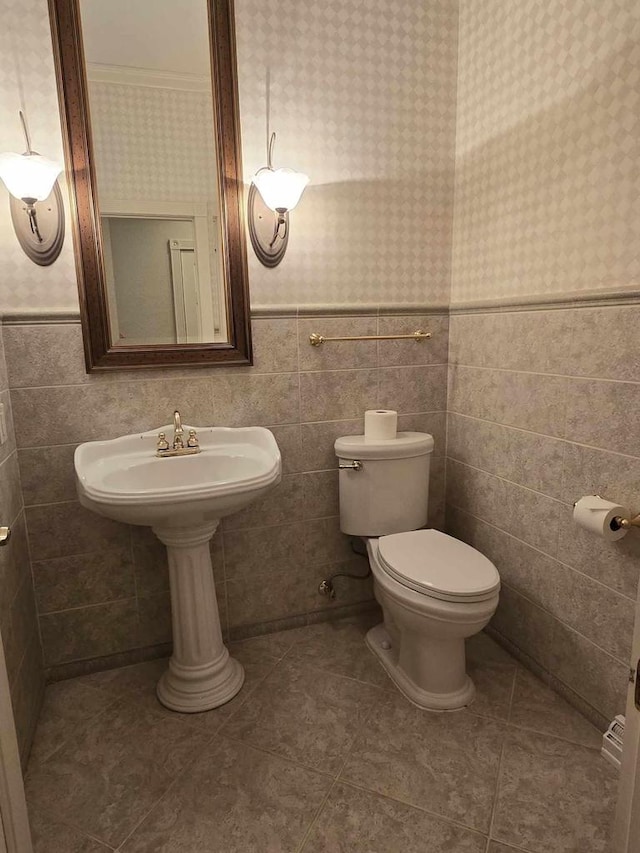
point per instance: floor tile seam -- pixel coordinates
(520, 728)
(247, 696)
(351, 678)
(448, 820)
(513, 690)
(496, 789)
(172, 784)
(85, 722)
(53, 818)
(292, 761)
(316, 816)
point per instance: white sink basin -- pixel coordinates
(183, 498)
(123, 479)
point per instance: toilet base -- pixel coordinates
(380, 644)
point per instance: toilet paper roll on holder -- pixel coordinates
(619, 522)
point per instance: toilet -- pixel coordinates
(434, 590)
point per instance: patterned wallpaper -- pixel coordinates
(153, 143)
(548, 120)
(363, 99)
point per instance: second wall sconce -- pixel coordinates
(37, 210)
(272, 194)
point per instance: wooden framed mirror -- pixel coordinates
(149, 106)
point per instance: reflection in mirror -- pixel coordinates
(148, 70)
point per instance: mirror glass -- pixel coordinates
(148, 70)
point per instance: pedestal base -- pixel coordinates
(201, 674)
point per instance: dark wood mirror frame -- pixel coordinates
(74, 108)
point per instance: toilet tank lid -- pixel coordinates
(405, 444)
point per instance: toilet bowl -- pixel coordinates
(434, 590)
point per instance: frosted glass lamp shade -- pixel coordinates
(29, 176)
(281, 189)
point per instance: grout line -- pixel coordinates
(548, 375)
(545, 554)
(511, 482)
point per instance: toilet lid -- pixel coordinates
(438, 565)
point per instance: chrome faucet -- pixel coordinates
(178, 447)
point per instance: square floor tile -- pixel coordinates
(50, 836)
(108, 776)
(305, 714)
(445, 763)
(67, 704)
(340, 647)
(536, 706)
(554, 796)
(356, 821)
(234, 799)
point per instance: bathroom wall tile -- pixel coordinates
(282, 504)
(525, 400)
(14, 563)
(396, 353)
(45, 355)
(47, 474)
(255, 400)
(526, 458)
(471, 339)
(462, 750)
(437, 493)
(413, 389)
(10, 492)
(154, 619)
(260, 550)
(535, 706)
(371, 822)
(27, 692)
(537, 807)
(337, 394)
(106, 410)
(605, 343)
(324, 542)
(150, 566)
(66, 529)
(9, 445)
(320, 494)
(289, 440)
(604, 414)
(275, 348)
(318, 441)
(89, 632)
(95, 578)
(4, 379)
(615, 564)
(19, 627)
(595, 675)
(306, 715)
(434, 423)
(527, 515)
(337, 355)
(588, 471)
(528, 626)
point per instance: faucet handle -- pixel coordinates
(192, 441)
(163, 444)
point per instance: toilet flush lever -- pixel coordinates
(356, 465)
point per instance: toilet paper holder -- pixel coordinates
(625, 523)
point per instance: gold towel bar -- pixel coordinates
(316, 340)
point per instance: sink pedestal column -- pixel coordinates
(201, 673)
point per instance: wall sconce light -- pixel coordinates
(272, 194)
(37, 210)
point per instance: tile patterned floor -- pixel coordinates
(318, 753)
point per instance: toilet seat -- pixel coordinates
(438, 566)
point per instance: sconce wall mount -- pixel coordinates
(272, 194)
(35, 202)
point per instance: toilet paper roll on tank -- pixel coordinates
(599, 516)
(380, 425)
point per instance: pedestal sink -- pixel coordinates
(183, 499)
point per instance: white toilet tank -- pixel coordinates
(389, 492)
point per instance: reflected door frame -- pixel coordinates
(15, 835)
(212, 297)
